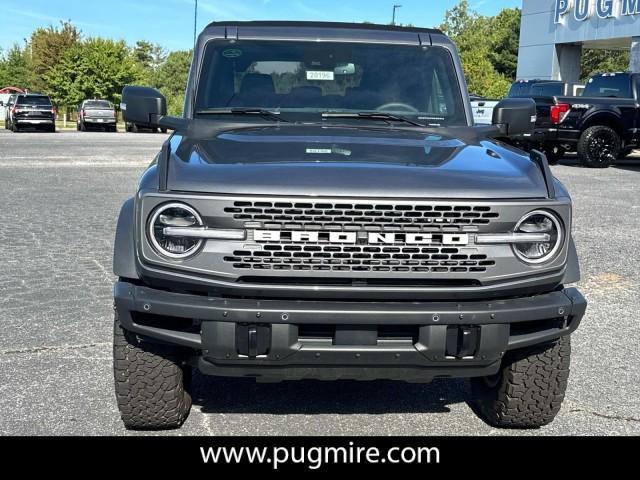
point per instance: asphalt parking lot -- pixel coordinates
(61, 195)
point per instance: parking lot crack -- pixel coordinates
(608, 416)
(52, 348)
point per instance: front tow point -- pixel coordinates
(253, 340)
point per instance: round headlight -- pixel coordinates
(539, 222)
(176, 215)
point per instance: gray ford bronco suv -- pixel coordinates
(326, 209)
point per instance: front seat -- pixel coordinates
(256, 90)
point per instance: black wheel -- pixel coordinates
(151, 382)
(52, 128)
(529, 389)
(599, 147)
(134, 128)
(113, 129)
(163, 130)
(83, 127)
(14, 127)
(78, 126)
(554, 153)
(625, 153)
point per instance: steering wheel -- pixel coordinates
(397, 106)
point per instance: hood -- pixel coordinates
(303, 160)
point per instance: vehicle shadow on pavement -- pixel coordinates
(631, 164)
(242, 395)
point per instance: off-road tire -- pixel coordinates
(529, 389)
(599, 147)
(151, 382)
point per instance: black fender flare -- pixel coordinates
(572, 273)
(610, 117)
(124, 251)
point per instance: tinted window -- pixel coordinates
(309, 77)
(547, 90)
(98, 104)
(618, 86)
(34, 100)
(520, 89)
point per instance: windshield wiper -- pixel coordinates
(243, 111)
(372, 116)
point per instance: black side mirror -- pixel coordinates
(148, 107)
(143, 105)
(1, 103)
(515, 116)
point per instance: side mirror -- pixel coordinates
(515, 116)
(148, 107)
(143, 105)
(1, 103)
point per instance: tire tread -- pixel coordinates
(149, 383)
(531, 388)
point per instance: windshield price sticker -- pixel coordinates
(318, 75)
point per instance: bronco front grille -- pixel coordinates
(359, 259)
(359, 216)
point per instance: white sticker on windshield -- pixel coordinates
(318, 75)
(320, 151)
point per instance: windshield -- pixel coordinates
(618, 86)
(34, 100)
(97, 104)
(419, 83)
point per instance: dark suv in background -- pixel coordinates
(30, 110)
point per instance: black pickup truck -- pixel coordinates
(602, 126)
(326, 209)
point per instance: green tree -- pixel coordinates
(505, 41)
(149, 55)
(48, 46)
(93, 68)
(171, 79)
(472, 33)
(603, 61)
(15, 68)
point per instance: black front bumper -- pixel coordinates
(292, 348)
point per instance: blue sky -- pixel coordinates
(170, 22)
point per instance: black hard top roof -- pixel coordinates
(346, 26)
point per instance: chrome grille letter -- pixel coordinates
(305, 236)
(382, 238)
(455, 239)
(266, 236)
(343, 237)
(419, 238)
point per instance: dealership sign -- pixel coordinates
(585, 9)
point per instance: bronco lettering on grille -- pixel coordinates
(353, 238)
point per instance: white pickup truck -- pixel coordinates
(482, 109)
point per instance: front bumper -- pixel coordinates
(295, 348)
